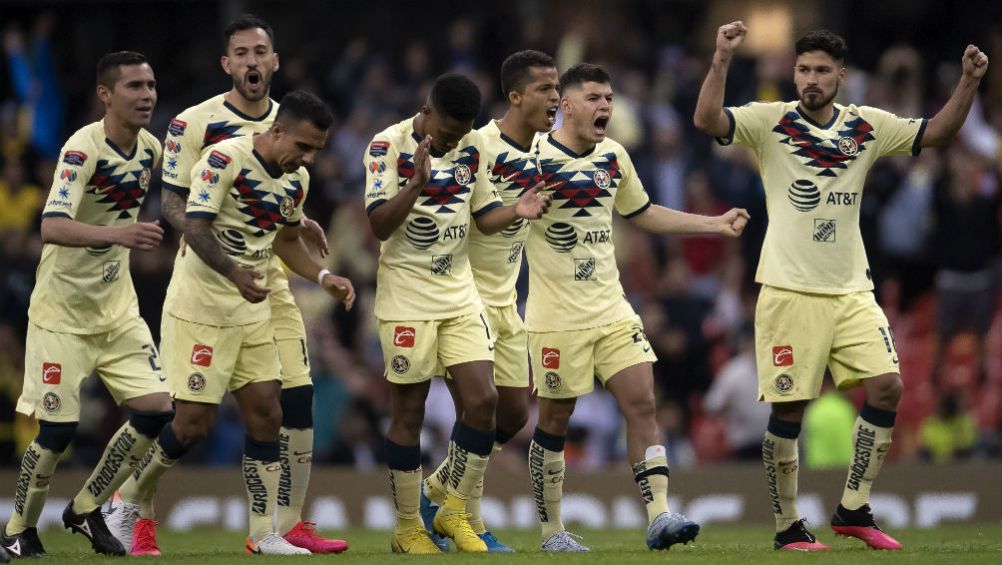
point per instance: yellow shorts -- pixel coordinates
(511, 353)
(798, 334)
(290, 337)
(55, 365)
(203, 362)
(414, 352)
(566, 364)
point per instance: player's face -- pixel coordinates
(445, 132)
(297, 144)
(133, 97)
(539, 98)
(818, 77)
(587, 110)
(251, 61)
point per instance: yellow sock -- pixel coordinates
(262, 469)
(473, 504)
(467, 472)
(124, 452)
(546, 470)
(651, 475)
(141, 486)
(779, 455)
(37, 468)
(870, 445)
(406, 489)
(435, 486)
(297, 459)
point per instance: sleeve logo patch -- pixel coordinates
(379, 148)
(219, 160)
(177, 127)
(75, 158)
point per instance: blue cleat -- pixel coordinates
(493, 545)
(670, 528)
(428, 510)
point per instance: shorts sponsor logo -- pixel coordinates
(441, 265)
(196, 382)
(201, 355)
(51, 402)
(824, 230)
(177, 127)
(110, 271)
(602, 179)
(552, 380)
(287, 207)
(75, 158)
(848, 146)
(379, 148)
(463, 175)
(551, 358)
(144, 178)
(783, 383)
(584, 269)
(400, 364)
(782, 355)
(804, 195)
(52, 373)
(403, 336)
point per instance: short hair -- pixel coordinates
(107, 67)
(515, 71)
(823, 40)
(302, 106)
(582, 73)
(243, 23)
(456, 96)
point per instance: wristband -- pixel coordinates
(321, 275)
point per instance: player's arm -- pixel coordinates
(658, 219)
(530, 206)
(198, 233)
(172, 206)
(943, 127)
(182, 150)
(391, 214)
(60, 230)
(291, 249)
(710, 116)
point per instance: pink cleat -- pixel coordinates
(859, 524)
(304, 535)
(798, 538)
(144, 538)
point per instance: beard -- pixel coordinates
(241, 86)
(816, 102)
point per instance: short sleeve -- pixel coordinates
(74, 170)
(485, 196)
(299, 197)
(211, 178)
(631, 198)
(182, 149)
(381, 176)
(747, 124)
(895, 136)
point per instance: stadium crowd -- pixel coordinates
(932, 225)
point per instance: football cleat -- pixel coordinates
(144, 538)
(304, 534)
(456, 526)
(493, 544)
(92, 526)
(121, 520)
(23, 544)
(273, 544)
(414, 541)
(428, 510)
(564, 542)
(859, 524)
(798, 538)
(669, 528)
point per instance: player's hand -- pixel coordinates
(974, 62)
(182, 246)
(244, 278)
(313, 235)
(340, 288)
(729, 36)
(533, 203)
(422, 164)
(733, 222)
(143, 236)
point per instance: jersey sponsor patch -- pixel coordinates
(219, 160)
(403, 336)
(177, 127)
(75, 158)
(379, 148)
(201, 355)
(52, 373)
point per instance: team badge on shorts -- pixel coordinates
(287, 207)
(602, 179)
(552, 381)
(196, 382)
(463, 175)
(51, 402)
(400, 364)
(783, 383)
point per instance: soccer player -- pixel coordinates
(816, 308)
(246, 109)
(579, 322)
(529, 83)
(84, 315)
(425, 179)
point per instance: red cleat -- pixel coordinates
(144, 538)
(798, 538)
(304, 535)
(859, 524)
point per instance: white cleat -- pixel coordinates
(564, 542)
(121, 520)
(274, 544)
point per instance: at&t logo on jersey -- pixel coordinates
(403, 336)
(201, 355)
(551, 358)
(52, 373)
(782, 355)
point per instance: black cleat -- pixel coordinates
(798, 538)
(92, 526)
(23, 544)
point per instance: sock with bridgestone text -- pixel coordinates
(471, 450)
(780, 457)
(546, 470)
(651, 475)
(141, 486)
(871, 440)
(404, 462)
(261, 473)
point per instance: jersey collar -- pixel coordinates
(568, 150)
(234, 109)
(835, 114)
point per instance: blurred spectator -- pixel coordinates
(828, 425)
(949, 434)
(33, 76)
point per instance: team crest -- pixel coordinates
(400, 364)
(602, 179)
(144, 178)
(552, 381)
(783, 383)
(848, 146)
(463, 174)
(287, 207)
(196, 382)
(51, 402)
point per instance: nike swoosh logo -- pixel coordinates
(551, 473)
(298, 453)
(509, 177)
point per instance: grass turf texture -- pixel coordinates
(718, 544)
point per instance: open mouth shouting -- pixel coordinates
(601, 123)
(254, 80)
(551, 115)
